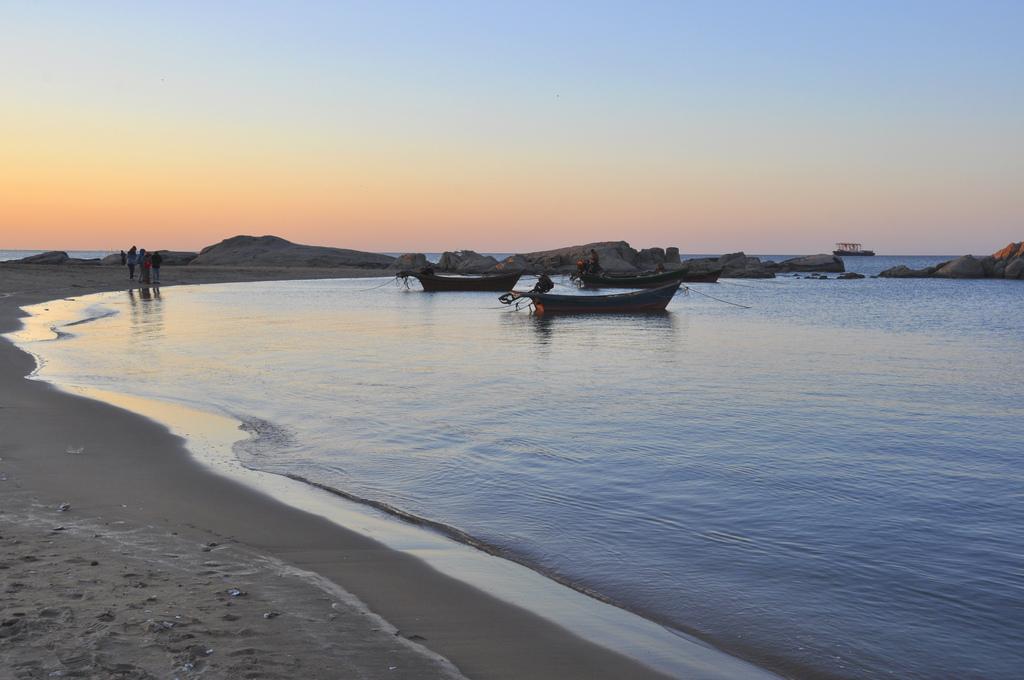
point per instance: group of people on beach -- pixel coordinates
(148, 263)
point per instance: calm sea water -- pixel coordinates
(822, 477)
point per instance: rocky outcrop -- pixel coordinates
(173, 258)
(56, 257)
(272, 251)
(965, 267)
(1008, 263)
(738, 266)
(813, 263)
(409, 262)
(465, 262)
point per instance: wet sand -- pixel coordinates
(158, 568)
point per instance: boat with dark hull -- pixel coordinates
(646, 280)
(647, 300)
(436, 283)
(852, 249)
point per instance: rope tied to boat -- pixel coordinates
(735, 304)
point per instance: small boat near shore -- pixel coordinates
(647, 300)
(852, 249)
(646, 280)
(436, 283)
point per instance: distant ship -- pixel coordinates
(851, 249)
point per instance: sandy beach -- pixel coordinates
(134, 561)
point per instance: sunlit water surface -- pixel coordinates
(825, 481)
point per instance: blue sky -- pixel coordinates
(713, 127)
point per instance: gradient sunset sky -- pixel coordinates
(510, 127)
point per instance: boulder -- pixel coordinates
(615, 256)
(902, 271)
(998, 266)
(409, 262)
(649, 258)
(672, 255)
(965, 267)
(51, 257)
(516, 263)
(174, 258)
(1011, 251)
(814, 263)
(465, 262)
(739, 266)
(272, 251)
(1015, 269)
(851, 275)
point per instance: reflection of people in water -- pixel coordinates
(544, 284)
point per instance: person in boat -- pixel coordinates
(595, 262)
(544, 284)
(427, 271)
(660, 267)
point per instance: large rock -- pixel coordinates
(648, 258)
(1011, 251)
(409, 262)
(615, 256)
(177, 258)
(813, 263)
(56, 257)
(516, 263)
(272, 251)
(1004, 264)
(965, 267)
(465, 262)
(902, 271)
(733, 266)
(51, 257)
(1015, 269)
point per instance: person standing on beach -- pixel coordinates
(124, 259)
(147, 264)
(132, 258)
(156, 260)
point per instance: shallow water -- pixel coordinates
(825, 480)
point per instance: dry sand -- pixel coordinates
(134, 578)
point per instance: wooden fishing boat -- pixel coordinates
(435, 283)
(651, 280)
(647, 300)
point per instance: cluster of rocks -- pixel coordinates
(615, 256)
(619, 257)
(1008, 263)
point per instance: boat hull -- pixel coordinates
(649, 280)
(648, 300)
(432, 283)
(854, 253)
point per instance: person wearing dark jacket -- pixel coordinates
(156, 260)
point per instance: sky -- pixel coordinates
(713, 127)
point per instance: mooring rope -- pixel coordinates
(735, 304)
